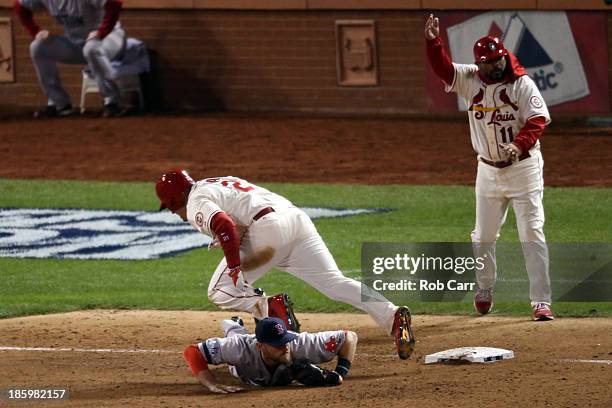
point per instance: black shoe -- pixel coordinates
(52, 111)
(112, 110)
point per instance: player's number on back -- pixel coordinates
(507, 134)
(228, 182)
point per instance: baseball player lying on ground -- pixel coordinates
(272, 356)
(259, 230)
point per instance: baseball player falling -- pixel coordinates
(507, 117)
(259, 230)
(272, 356)
(92, 35)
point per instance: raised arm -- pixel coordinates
(436, 54)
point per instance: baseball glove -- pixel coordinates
(310, 375)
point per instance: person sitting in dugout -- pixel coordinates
(273, 356)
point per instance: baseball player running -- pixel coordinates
(272, 356)
(259, 230)
(92, 35)
(507, 117)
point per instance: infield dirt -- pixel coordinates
(268, 148)
(542, 374)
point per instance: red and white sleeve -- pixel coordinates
(112, 9)
(440, 60)
(27, 20)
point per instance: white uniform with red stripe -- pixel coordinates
(298, 248)
(497, 113)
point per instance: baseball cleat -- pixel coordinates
(542, 312)
(113, 110)
(259, 291)
(238, 320)
(402, 332)
(282, 307)
(483, 301)
(51, 111)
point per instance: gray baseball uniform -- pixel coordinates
(78, 18)
(238, 349)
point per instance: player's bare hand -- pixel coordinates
(42, 35)
(214, 244)
(223, 389)
(511, 150)
(432, 27)
(92, 35)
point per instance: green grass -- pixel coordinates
(421, 214)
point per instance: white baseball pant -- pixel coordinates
(300, 251)
(522, 184)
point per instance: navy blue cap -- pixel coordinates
(272, 331)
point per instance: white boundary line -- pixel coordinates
(134, 351)
(82, 350)
(160, 351)
(567, 360)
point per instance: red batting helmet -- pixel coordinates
(172, 188)
(489, 48)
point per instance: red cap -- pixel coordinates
(171, 188)
(489, 48)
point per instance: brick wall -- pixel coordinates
(256, 60)
(610, 58)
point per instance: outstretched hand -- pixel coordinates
(223, 389)
(208, 380)
(432, 28)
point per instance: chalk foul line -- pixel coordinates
(84, 350)
(161, 351)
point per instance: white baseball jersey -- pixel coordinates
(240, 351)
(297, 248)
(232, 195)
(77, 17)
(497, 111)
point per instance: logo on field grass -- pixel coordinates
(103, 234)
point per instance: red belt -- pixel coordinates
(263, 212)
(503, 164)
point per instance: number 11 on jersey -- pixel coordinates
(506, 134)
